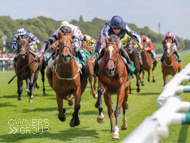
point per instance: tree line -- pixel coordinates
(43, 27)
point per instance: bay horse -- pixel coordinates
(133, 56)
(147, 64)
(30, 73)
(113, 78)
(91, 64)
(170, 65)
(65, 79)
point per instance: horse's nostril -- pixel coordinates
(112, 69)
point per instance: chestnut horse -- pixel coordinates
(91, 64)
(170, 65)
(65, 78)
(147, 64)
(113, 78)
(133, 56)
(30, 73)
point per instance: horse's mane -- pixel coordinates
(113, 38)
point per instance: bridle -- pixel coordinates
(110, 59)
(22, 49)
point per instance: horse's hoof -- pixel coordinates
(30, 101)
(70, 102)
(77, 122)
(100, 120)
(44, 94)
(154, 80)
(26, 89)
(96, 96)
(64, 110)
(37, 86)
(138, 89)
(62, 119)
(112, 131)
(115, 136)
(19, 97)
(124, 127)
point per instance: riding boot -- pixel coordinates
(162, 58)
(154, 56)
(128, 61)
(78, 53)
(176, 53)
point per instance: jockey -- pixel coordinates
(148, 44)
(175, 45)
(24, 34)
(90, 41)
(124, 43)
(77, 38)
(117, 27)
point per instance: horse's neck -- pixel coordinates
(170, 59)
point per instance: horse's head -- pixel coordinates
(130, 46)
(168, 46)
(65, 46)
(112, 54)
(23, 47)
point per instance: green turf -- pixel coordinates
(52, 130)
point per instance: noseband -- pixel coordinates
(22, 49)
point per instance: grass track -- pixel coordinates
(44, 108)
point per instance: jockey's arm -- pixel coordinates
(47, 43)
(132, 34)
(177, 43)
(14, 43)
(150, 47)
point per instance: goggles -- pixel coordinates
(114, 27)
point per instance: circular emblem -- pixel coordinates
(4, 37)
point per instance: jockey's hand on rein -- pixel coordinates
(37, 58)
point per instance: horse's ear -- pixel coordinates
(59, 33)
(117, 41)
(106, 39)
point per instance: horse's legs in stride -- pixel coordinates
(75, 120)
(165, 78)
(49, 75)
(137, 84)
(125, 107)
(153, 75)
(19, 91)
(100, 118)
(142, 81)
(108, 101)
(61, 115)
(92, 87)
(120, 98)
(69, 99)
(95, 81)
(149, 80)
(42, 74)
(32, 85)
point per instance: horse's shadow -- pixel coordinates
(148, 94)
(7, 104)
(64, 135)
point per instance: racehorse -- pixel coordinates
(113, 77)
(170, 65)
(133, 56)
(30, 73)
(65, 78)
(147, 64)
(91, 64)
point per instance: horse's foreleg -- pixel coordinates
(75, 120)
(95, 81)
(125, 106)
(137, 84)
(92, 87)
(142, 81)
(108, 101)
(32, 85)
(42, 74)
(19, 90)
(149, 71)
(101, 91)
(49, 75)
(120, 99)
(61, 115)
(153, 75)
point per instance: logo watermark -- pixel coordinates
(28, 126)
